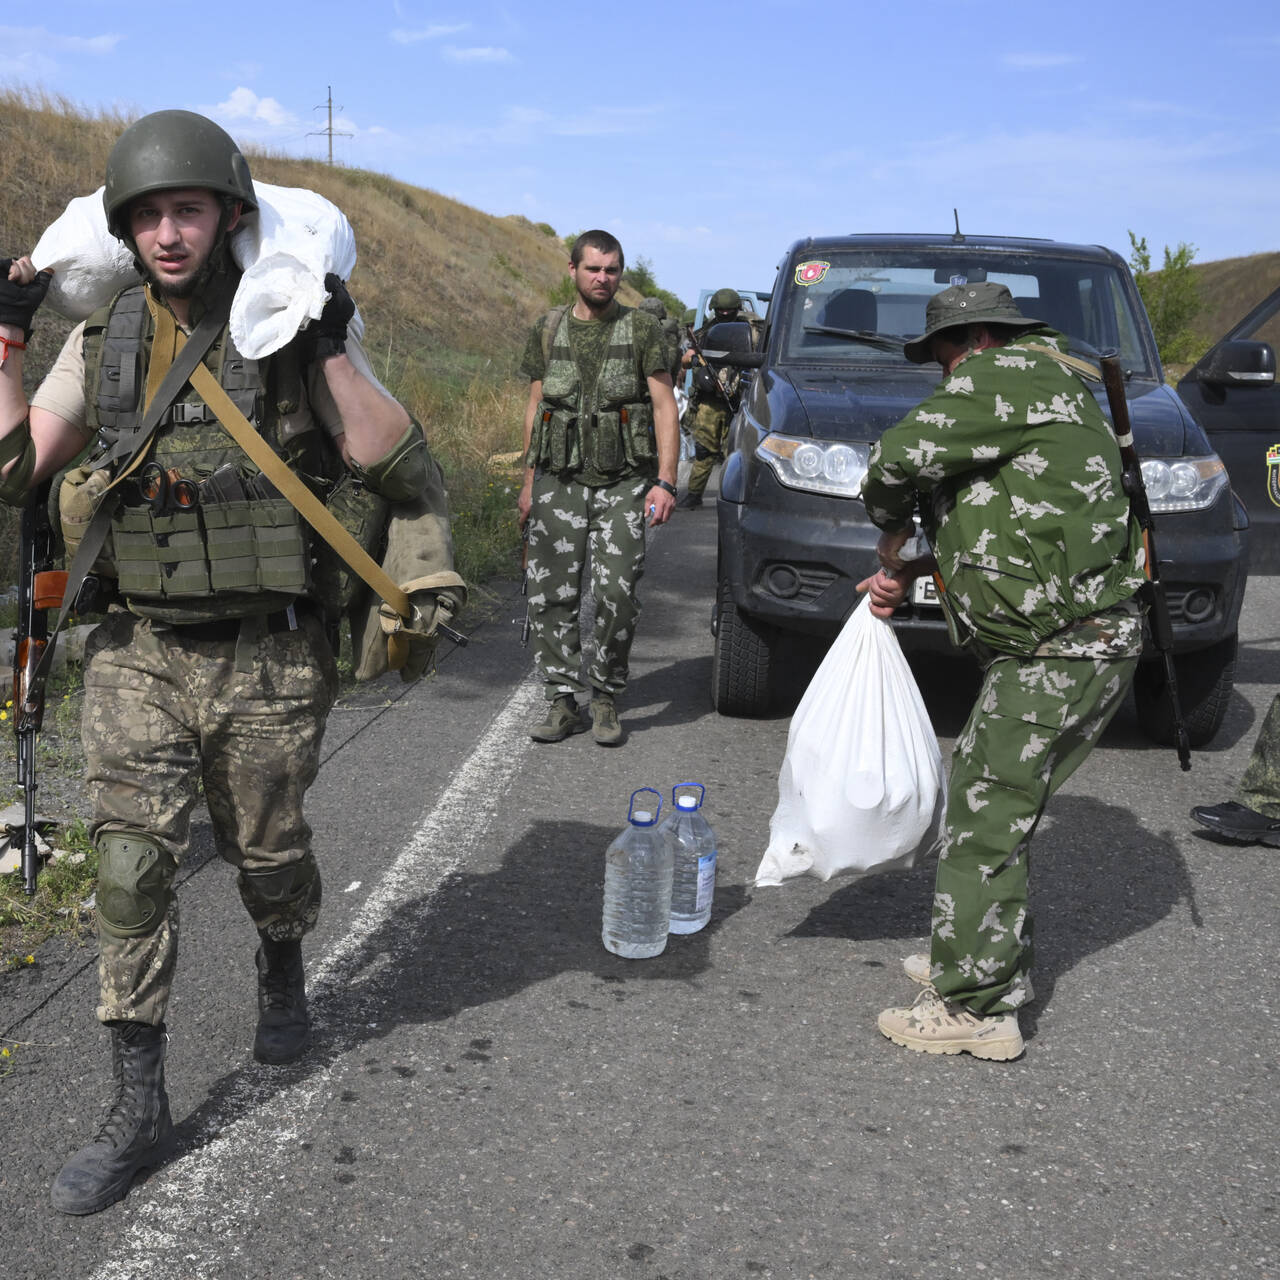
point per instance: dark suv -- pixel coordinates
(794, 538)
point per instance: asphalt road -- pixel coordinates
(493, 1095)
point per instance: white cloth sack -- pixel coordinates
(285, 249)
(861, 786)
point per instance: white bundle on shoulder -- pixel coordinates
(861, 785)
(285, 249)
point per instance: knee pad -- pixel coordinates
(135, 879)
(284, 901)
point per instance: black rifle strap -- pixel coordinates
(95, 534)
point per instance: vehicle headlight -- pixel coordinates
(820, 466)
(1183, 484)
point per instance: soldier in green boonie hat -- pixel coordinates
(1015, 474)
(962, 305)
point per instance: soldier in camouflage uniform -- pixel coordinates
(1018, 477)
(713, 397)
(213, 668)
(1253, 817)
(670, 333)
(601, 442)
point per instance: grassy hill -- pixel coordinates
(1231, 288)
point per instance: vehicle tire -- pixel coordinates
(1205, 680)
(740, 661)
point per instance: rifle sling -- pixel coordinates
(161, 391)
(308, 505)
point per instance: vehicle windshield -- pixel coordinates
(858, 307)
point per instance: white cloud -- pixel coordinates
(405, 35)
(1039, 61)
(244, 104)
(31, 47)
(482, 54)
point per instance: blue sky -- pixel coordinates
(709, 136)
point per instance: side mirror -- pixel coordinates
(728, 335)
(737, 359)
(1233, 364)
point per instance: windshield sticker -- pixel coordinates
(957, 281)
(811, 272)
(1273, 474)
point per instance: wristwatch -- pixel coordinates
(670, 488)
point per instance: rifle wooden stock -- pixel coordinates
(1157, 605)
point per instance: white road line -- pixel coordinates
(201, 1200)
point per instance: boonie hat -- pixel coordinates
(983, 302)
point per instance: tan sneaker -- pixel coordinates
(562, 719)
(933, 1025)
(918, 968)
(606, 728)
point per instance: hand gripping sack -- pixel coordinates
(861, 786)
(284, 249)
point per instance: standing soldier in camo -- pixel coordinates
(213, 669)
(1018, 477)
(670, 333)
(714, 394)
(601, 442)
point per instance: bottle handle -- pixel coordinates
(631, 807)
(702, 792)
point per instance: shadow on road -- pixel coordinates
(1086, 894)
(477, 939)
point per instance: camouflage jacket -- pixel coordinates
(1019, 477)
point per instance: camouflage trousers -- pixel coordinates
(710, 430)
(566, 522)
(1259, 787)
(165, 714)
(1035, 721)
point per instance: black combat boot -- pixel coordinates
(284, 1030)
(137, 1133)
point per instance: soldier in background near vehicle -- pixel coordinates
(713, 397)
(670, 333)
(601, 441)
(213, 669)
(1038, 557)
(1253, 817)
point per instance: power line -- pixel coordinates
(330, 131)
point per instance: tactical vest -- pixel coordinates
(242, 549)
(610, 422)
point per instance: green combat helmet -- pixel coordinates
(726, 300)
(654, 307)
(983, 302)
(169, 149)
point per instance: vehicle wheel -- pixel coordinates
(1205, 680)
(740, 660)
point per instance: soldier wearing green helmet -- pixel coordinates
(1038, 558)
(214, 670)
(713, 394)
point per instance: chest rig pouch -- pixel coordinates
(609, 424)
(217, 540)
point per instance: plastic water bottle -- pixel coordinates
(693, 847)
(637, 884)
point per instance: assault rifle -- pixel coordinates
(1153, 589)
(526, 627)
(40, 588)
(705, 378)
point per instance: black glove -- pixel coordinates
(328, 335)
(18, 302)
